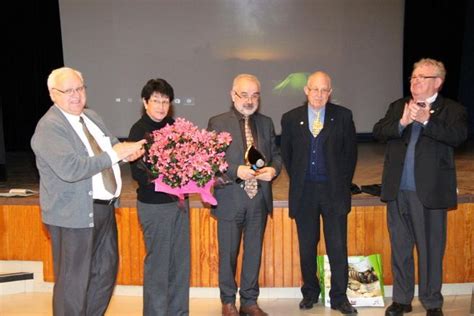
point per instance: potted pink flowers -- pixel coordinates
(186, 159)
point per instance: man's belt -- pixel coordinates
(105, 202)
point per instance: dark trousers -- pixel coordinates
(167, 262)
(85, 265)
(249, 223)
(410, 224)
(316, 203)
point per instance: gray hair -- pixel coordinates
(245, 76)
(56, 73)
(440, 69)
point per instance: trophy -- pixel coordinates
(255, 158)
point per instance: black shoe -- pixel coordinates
(397, 309)
(308, 302)
(345, 308)
(434, 312)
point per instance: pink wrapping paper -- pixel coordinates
(191, 187)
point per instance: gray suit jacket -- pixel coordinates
(228, 197)
(66, 169)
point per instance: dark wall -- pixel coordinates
(3, 174)
(466, 76)
(34, 49)
(443, 30)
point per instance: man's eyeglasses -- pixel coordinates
(254, 97)
(421, 78)
(318, 91)
(72, 90)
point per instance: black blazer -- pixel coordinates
(340, 150)
(435, 174)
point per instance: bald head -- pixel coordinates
(318, 89)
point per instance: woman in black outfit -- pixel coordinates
(165, 223)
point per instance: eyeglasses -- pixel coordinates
(254, 97)
(163, 102)
(318, 91)
(72, 90)
(421, 78)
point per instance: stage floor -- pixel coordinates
(22, 173)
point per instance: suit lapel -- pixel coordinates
(302, 125)
(436, 106)
(70, 129)
(234, 129)
(258, 126)
(329, 121)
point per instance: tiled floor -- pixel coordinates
(40, 304)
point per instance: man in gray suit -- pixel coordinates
(244, 204)
(77, 159)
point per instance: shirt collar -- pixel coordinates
(240, 116)
(70, 117)
(432, 98)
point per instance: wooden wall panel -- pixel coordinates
(23, 237)
(20, 227)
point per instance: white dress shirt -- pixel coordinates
(99, 191)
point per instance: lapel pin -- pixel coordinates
(332, 119)
(301, 123)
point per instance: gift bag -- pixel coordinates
(365, 287)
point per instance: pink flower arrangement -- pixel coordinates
(184, 158)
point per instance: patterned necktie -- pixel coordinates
(317, 125)
(251, 186)
(108, 176)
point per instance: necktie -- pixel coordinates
(317, 125)
(108, 176)
(251, 186)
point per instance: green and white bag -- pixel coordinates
(365, 287)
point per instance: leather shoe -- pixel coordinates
(252, 310)
(397, 309)
(434, 312)
(345, 308)
(308, 302)
(229, 309)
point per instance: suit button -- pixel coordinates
(90, 214)
(90, 193)
(91, 225)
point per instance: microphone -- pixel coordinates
(260, 163)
